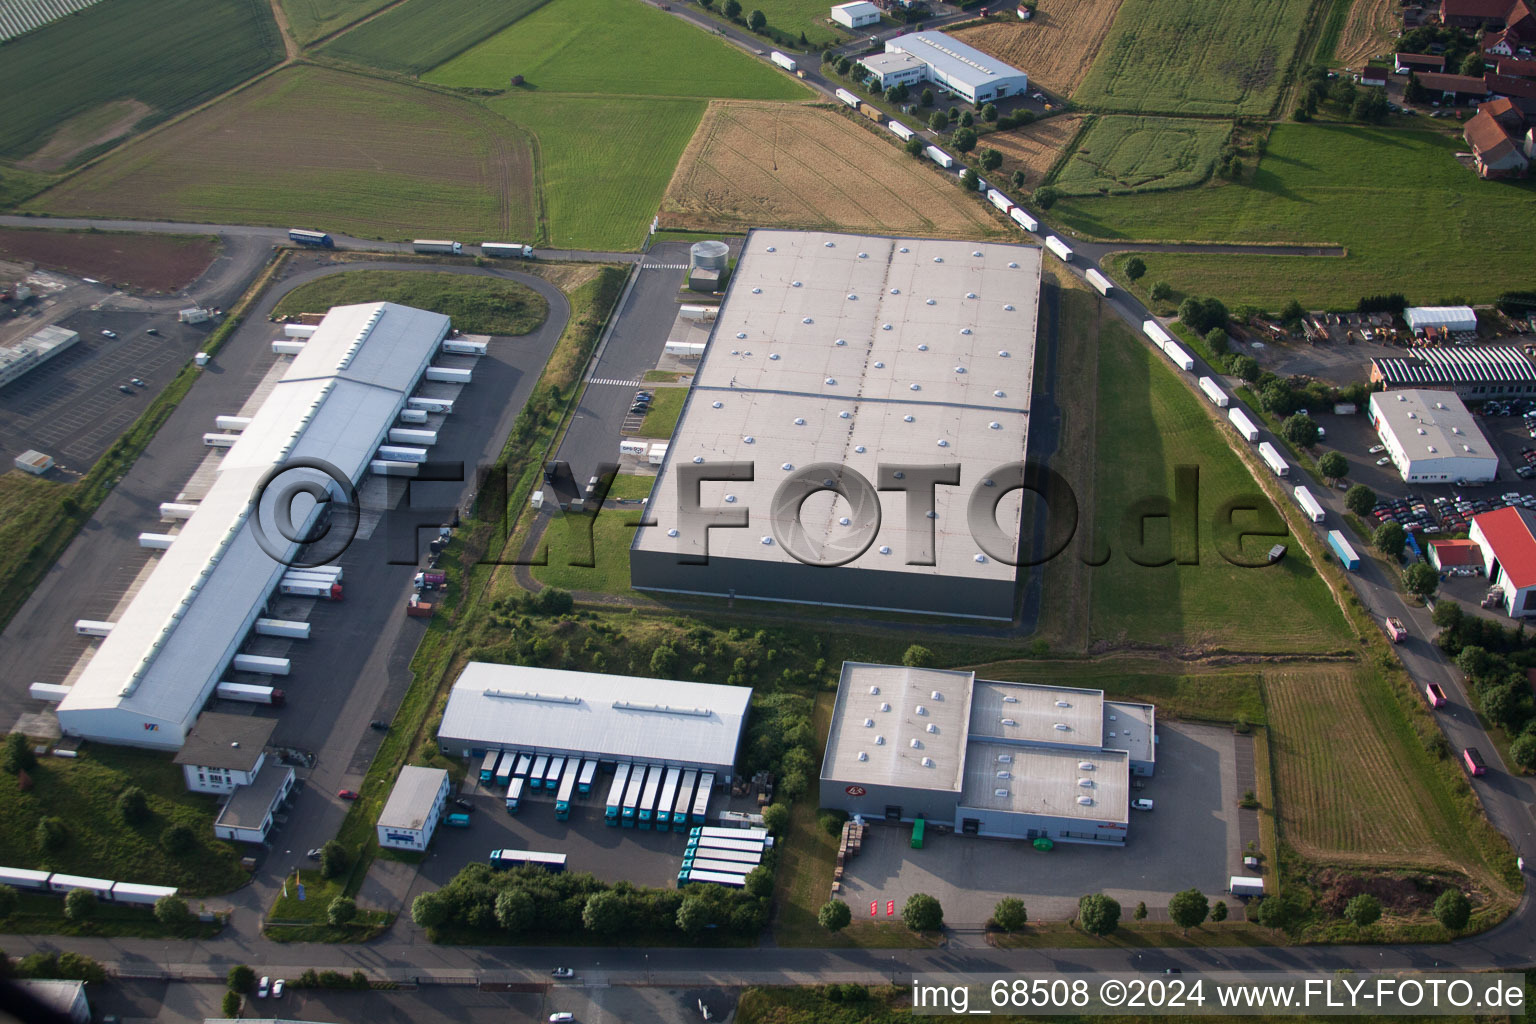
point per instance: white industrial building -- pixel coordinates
(247, 815)
(1507, 538)
(858, 14)
(890, 69)
(338, 399)
(1474, 372)
(591, 715)
(832, 356)
(964, 70)
(1009, 760)
(414, 808)
(1444, 318)
(33, 351)
(1431, 437)
(65, 998)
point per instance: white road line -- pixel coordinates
(616, 383)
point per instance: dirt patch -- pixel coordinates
(797, 166)
(1370, 31)
(1055, 47)
(85, 132)
(1034, 149)
(136, 262)
(1399, 893)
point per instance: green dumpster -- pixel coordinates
(1044, 844)
(917, 834)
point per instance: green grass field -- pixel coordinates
(478, 305)
(661, 420)
(569, 46)
(313, 145)
(421, 34)
(797, 16)
(84, 793)
(1149, 423)
(309, 20)
(1124, 153)
(167, 54)
(1324, 184)
(1214, 57)
(604, 162)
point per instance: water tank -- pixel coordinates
(709, 255)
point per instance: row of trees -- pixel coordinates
(1494, 660)
(1340, 93)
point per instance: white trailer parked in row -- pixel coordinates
(1272, 459)
(1101, 284)
(1061, 249)
(939, 157)
(506, 250)
(1180, 358)
(92, 627)
(1024, 220)
(282, 627)
(1243, 424)
(900, 130)
(1214, 393)
(1153, 330)
(999, 200)
(261, 664)
(847, 97)
(787, 63)
(176, 510)
(1309, 504)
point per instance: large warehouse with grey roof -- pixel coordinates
(881, 365)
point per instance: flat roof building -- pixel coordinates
(33, 351)
(589, 714)
(224, 752)
(65, 998)
(150, 677)
(1475, 372)
(414, 808)
(964, 70)
(1431, 437)
(247, 814)
(1013, 760)
(834, 355)
(894, 68)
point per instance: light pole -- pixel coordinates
(893, 970)
(647, 968)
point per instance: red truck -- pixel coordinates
(430, 580)
(1396, 630)
(418, 609)
(1435, 695)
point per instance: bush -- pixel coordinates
(917, 656)
(1219, 911)
(1389, 538)
(360, 980)
(776, 819)
(1364, 910)
(1282, 912)
(334, 859)
(968, 180)
(964, 138)
(1300, 430)
(18, 754)
(1162, 291)
(51, 834)
(231, 1005)
(1135, 268)
(177, 839)
(923, 913)
(342, 911)
(990, 159)
(1046, 196)
(172, 911)
(757, 20)
(606, 913)
(514, 910)
(430, 910)
(7, 906)
(1522, 751)
(1453, 910)
(1140, 913)
(937, 122)
(967, 119)
(1216, 340)
(760, 881)
(1333, 466)
(241, 978)
(133, 805)
(1098, 914)
(831, 821)
(1010, 914)
(927, 98)
(915, 146)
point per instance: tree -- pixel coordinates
(1291, 314)
(926, 99)
(172, 911)
(1522, 752)
(1161, 291)
(1360, 499)
(431, 909)
(1301, 115)
(18, 754)
(923, 913)
(1282, 912)
(334, 859)
(937, 122)
(1342, 93)
(953, 115)
(917, 656)
(1505, 705)
(1245, 367)
(178, 839)
(915, 146)
(967, 119)
(1010, 914)
(341, 911)
(241, 978)
(1219, 911)
(1421, 580)
(965, 139)
(732, 9)
(1098, 914)
(1300, 430)
(902, 92)
(51, 834)
(968, 180)
(1135, 267)
(692, 915)
(605, 913)
(834, 915)
(1018, 179)
(1453, 910)
(1333, 466)
(1046, 196)
(990, 159)
(1216, 340)
(1189, 908)
(776, 818)
(1363, 910)
(1140, 913)
(231, 1005)
(844, 64)
(1389, 539)
(1474, 661)
(7, 905)
(664, 661)
(1371, 106)
(514, 910)
(1413, 89)
(133, 805)
(757, 20)
(1472, 65)
(1277, 397)
(79, 904)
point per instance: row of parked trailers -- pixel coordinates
(658, 797)
(723, 856)
(521, 772)
(106, 890)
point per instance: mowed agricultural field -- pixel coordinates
(572, 46)
(421, 34)
(1055, 47)
(1353, 784)
(1336, 185)
(604, 162)
(164, 54)
(795, 166)
(1034, 149)
(317, 146)
(1370, 30)
(1149, 422)
(139, 262)
(309, 20)
(1125, 153)
(1215, 57)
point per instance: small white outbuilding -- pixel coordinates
(858, 14)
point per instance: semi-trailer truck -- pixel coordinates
(488, 766)
(787, 63)
(1023, 219)
(567, 789)
(437, 245)
(1101, 284)
(684, 801)
(615, 801)
(1341, 547)
(249, 694)
(507, 250)
(1061, 249)
(305, 237)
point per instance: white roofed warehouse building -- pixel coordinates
(149, 678)
(414, 808)
(1443, 318)
(1474, 372)
(858, 14)
(1008, 760)
(1431, 437)
(964, 70)
(876, 364)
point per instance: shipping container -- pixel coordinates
(588, 775)
(1469, 757)
(299, 331)
(1101, 284)
(412, 436)
(177, 510)
(632, 795)
(287, 347)
(1154, 331)
(51, 692)
(24, 878)
(415, 417)
(1272, 458)
(464, 347)
(1213, 391)
(1243, 424)
(449, 374)
(1060, 248)
(685, 349)
(235, 423)
(900, 130)
(139, 894)
(658, 454)
(1309, 504)
(684, 802)
(488, 766)
(262, 664)
(536, 773)
(504, 250)
(436, 245)
(501, 860)
(282, 627)
(633, 448)
(306, 237)
(701, 799)
(91, 627)
(1179, 357)
(939, 157)
(1024, 220)
(1341, 547)
(999, 200)
(730, 881)
(402, 453)
(734, 845)
(787, 63)
(615, 802)
(847, 97)
(504, 766)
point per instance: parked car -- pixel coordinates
(125, 389)
(377, 724)
(1377, 449)
(561, 1018)
(151, 330)
(264, 987)
(1383, 460)
(108, 334)
(463, 804)
(639, 407)
(347, 794)
(562, 972)
(138, 383)
(277, 989)
(1142, 803)
(314, 853)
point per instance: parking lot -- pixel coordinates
(1190, 839)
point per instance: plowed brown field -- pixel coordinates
(796, 166)
(147, 262)
(1035, 148)
(1055, 47)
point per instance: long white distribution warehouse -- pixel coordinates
(337, 401)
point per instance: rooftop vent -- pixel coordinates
(885, 549)
(768, 542)
(863, 255)
(1085, 783)
(927, 762)
(885, 706)
(869, 723)
(840, 342)
(717, 405)
(999, 792)
(920, 709)
(863, 756)
(932, 727)
(672, 532)
(994, 425)
(923, 347)
(1111, 734)
(1085, 766)
(773, 357)
(859, 448)
(1005, 775)
(794, 284)
(980, 558)
(1009, 721)
(1008, 306)
(917, 744)
(879, 364)
(970, 295)
(749, 439)
(1005, 759)
(1012, 265)
(904, 249)
(730, 499)
(1063, 727)
(874, 690)
(936, 695)
(1010, 700)
(1063, 704)
(1113, 718)
(1085, 801)
(879, 741)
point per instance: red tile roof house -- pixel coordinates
(1405, 62)
(1475, 13)
(1454, 88)
(1508, 542)
(1500, 44)
(1516, 68)
(1372, 75)
(1496, 151)
(1453, 554)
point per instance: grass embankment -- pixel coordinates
(1320, 184)
(477, 304)
(83, 793)
(666, 407)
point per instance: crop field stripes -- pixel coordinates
(20, 16)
